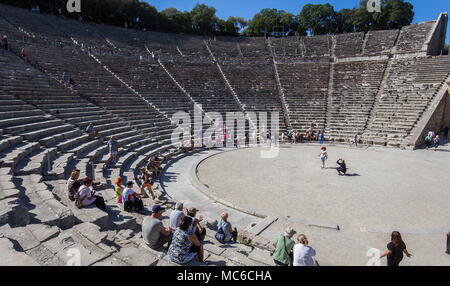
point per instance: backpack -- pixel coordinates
(128, 206)
(73, 190)
(78, 200)
(220, 234)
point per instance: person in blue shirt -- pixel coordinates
(436, 142)
(113, 149)
(90, 130)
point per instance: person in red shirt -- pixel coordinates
(24, 55)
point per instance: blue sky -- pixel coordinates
(425, 10)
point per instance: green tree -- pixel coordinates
(345, 22)
(269, 20)
(176, 21)
(204, 19)
(394, 15)
(318, 19)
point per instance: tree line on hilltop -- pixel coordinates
(313, 19)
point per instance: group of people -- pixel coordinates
(185, 234)
(81, 192)
(128, 197)
(432, 140)
(288, 253)
(342, 169)
(295, 136)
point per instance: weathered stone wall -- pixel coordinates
(439, 119)
(437, 41)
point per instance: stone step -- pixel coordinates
(11, 157)
(9, 141)
(42, 205)
(33, 135)
(87, 214)
(35, 162)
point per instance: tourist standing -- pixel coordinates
(354, 140)
(428, 141)
(436, 142)
(323, 156)
(5, 42)
(448, 242)
(113, 149)
(284, 245)
(303, 254)
(396, 248)
(24, 55)
(65, 78)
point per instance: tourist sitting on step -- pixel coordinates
(180, 250)
(130, 199)
(90, 130)
(154, 234)
(196, 228)
(113, 146)
(73, 184)
(154, 165)
(284, 245)
(176, 216)
(119, 189)
(342, 169)
(303, 254)
(5, 41)
(87, 197)
(225, 232)
(146, 182)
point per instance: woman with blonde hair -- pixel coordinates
(303, 254)
(396, 248)
(73, 184)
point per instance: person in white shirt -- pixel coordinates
(303, 253)
(131, 200)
